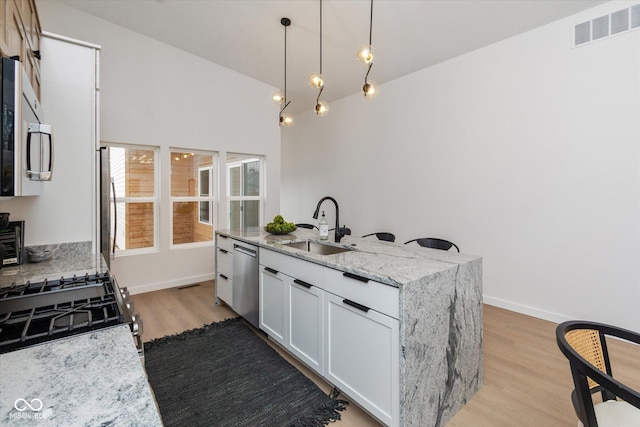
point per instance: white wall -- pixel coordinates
(154, 94)
(63, 212)
(525, 152)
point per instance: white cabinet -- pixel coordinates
(224, 269)
(306, 323)
(273, 290)
(343, 326)
(362, 356)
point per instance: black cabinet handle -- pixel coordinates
(303, 283)
(224, 277)
(223, 236)
(356, 277)
(271, 270)
(356, 305)
(223, 251)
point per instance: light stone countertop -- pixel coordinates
(89, 379)
(67, 259)
(392, 263)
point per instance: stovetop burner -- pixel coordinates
(32, 313)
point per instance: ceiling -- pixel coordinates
(408, 35)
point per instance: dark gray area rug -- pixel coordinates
(224, 375)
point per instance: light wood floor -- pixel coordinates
(526, 378)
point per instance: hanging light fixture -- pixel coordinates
(365, 56)
(279, 98)
(317, 81)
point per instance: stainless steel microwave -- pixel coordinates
(26, 157)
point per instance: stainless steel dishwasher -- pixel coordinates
(246, 282)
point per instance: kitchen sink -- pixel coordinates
(317, 247)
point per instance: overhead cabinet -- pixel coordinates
(20, 35)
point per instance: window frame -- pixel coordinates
(155, 199)
(211, 198)
(250, 158)
(209, 170)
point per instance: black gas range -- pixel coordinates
(32, 313)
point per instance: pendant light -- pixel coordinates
(317, 81)
(365, 56)
(279, 98)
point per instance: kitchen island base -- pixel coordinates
(397, 329)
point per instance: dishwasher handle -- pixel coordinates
(245, 251)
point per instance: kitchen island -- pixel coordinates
(426, 304)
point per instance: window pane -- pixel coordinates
(185, 168)
(134, 225)
(234, 181)
(136, 175)
(186, 226)
(251, 210)
(204, 182)
(204, 212)
(235, 213)
(251, 179)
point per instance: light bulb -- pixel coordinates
(365, 54)
(370, 89)
(277, 98)
(286, 120)
(322, 108)
(316, 80)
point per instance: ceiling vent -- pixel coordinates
(606, 26)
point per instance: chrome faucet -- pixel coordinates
(339, 232)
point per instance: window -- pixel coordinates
(244, 190)
(204, 178)
(135, 177)
(192, 197)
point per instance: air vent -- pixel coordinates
(583, 33)
(620, 21)
(608, 25)
(600, 27)
(635, 16)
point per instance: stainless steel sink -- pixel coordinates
(317, 247)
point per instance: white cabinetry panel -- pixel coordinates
(375, 295)
(362, 357)
(306, 324)
(224, 269)
(273, 288)
(224, 289)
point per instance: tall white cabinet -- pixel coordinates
(70, 103)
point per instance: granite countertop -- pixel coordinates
(94, 378)
(67, 259)
(391, 263)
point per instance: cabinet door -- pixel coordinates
(224, 288)
(16, 37)
(305, 318)
(273, 288)
(224, 262)
(362, 356)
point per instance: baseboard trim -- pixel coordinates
(525, 309)
(150, 287)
